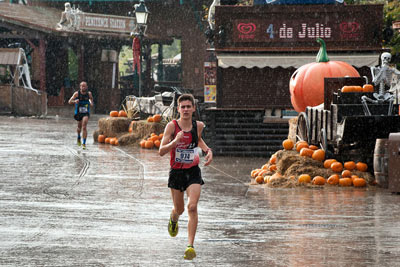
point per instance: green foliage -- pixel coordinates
(124, 56)
(391, 12)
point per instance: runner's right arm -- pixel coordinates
(166, 143)
(72, 100)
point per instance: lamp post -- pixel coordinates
(141, 14)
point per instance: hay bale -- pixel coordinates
(144, 128)
(282, 182)
(96, 135)
(129, 139)
(114, 126)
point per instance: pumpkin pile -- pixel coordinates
(120, 113)
(367, 88)
(107, 140)
(154, 118)
(302, 164)
(152, 141)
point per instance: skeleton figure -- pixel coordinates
(69, 18)
(211, 13)
(381, 76)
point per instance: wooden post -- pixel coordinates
(42, 66)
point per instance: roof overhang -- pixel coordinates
(10, 56)
(226, 60)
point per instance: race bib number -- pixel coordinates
(83, 109)
(184, 155)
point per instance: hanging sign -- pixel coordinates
(210, 82)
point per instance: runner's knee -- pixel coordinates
(192, 208)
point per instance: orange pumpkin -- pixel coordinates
(101, 138)
(260, 179)
(361, 166)
(306, 152)
(265, 167)
(304, 178)
(368, 88)
(312, 147)
(287, 144)
(157, 118)
(349, 165)
(149, 144)
(359, 182)
(337, 167)
(307, 82)
(122, 113)
(272, 160)
(150, 119)
(262, 172)
(114, 113)
(300, 145)
(154, 138)
(157, 143)
(272, 168)
(346, 173)
(351, 89)
(254, 173)
(319, 155)
(318, 180)
(112, 141)
(161, 135)
(345, 182)
(143, 143)
(107, 140)
(116, 142)
(328, 163)
(333, 179)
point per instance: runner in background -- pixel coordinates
(82, 100)
(182, 138)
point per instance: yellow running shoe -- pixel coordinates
(78, 142)
(172, 228)
(83, 146)
(190, 254)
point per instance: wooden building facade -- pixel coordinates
(259, 47)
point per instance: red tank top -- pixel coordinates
(185, 155)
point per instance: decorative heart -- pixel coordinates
(349, 27)
(246, 28)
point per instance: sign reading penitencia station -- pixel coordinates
(290, 28)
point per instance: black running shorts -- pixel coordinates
(180, 179)
(80, 116)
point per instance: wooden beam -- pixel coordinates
(42, 66)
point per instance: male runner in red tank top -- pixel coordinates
(182, 138)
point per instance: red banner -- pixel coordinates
(136, 54)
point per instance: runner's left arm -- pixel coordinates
(91, 99)
(203, 145)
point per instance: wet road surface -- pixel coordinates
(109, 206)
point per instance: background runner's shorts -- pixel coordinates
(80, 116)
(180, 179)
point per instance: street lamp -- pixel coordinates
(141, 14)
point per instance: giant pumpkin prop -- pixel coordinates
(307, 82)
